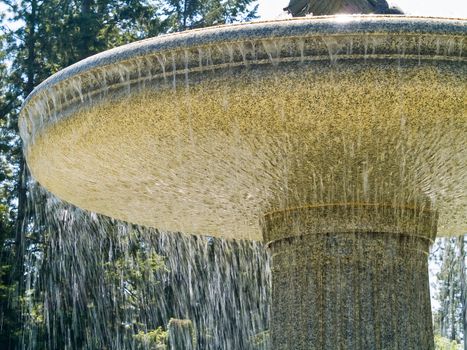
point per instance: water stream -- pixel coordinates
(105, 284)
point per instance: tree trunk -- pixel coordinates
(84, 46)
(20, 225)
(185, 10)
(463, 286)
(452, 305)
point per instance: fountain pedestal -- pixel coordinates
(358, 282)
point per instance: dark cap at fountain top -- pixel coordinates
(300, 8)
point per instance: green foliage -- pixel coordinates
(37, 39)
(442, 343)
(80, 29)
(189, 14)
(130, 273)
(8, 146)
(155, 339)
(9, 302)
(9, 311)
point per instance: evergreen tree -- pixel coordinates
(462, 254)
(83, 28)
(190, 14)
(449, 318)
(48, 36)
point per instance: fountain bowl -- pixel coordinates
(211, 131)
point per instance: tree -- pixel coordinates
(9, 310)
(50, 35)
(450, 317)
(46, 37)
(83, 28)
(190, 14)
(463, 285)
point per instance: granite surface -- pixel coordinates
(207, 131)
(351, 291)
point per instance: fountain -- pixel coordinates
(337, 141)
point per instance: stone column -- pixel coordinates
(350, 276)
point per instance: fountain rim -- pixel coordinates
(397, 29)
(257, 30)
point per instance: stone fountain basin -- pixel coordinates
(207, 131)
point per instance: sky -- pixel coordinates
(272, 9)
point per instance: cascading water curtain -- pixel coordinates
(96, 283)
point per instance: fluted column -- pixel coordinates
(358, 282)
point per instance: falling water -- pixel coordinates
(105, 284)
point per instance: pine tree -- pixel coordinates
(190, 14)
(451, 293)
(9, 311)
(462, 256)
(48, 36)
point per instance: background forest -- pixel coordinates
(113, 285)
